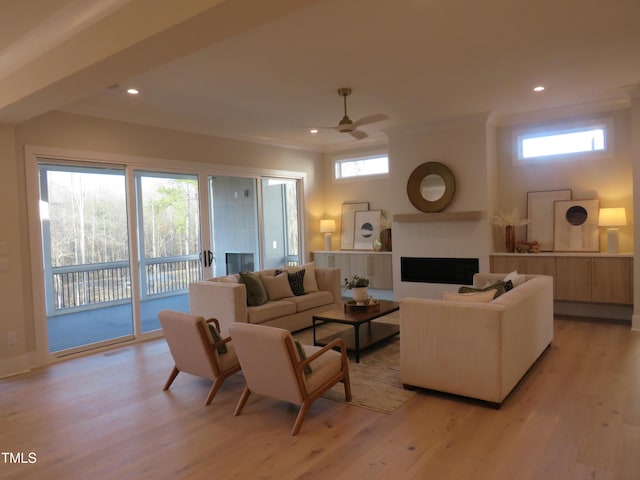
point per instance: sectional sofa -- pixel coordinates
(474, 349)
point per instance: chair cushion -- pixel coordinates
(326, 365)
(229, 359)
(277, 287)
(256, 294)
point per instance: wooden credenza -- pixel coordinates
(376, 266)
(578, 277)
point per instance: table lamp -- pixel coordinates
(612, 218)
(327, 227)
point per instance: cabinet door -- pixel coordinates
(360, 266)
(376, 267)
(505, 264)
(612, 280)
(573, 279)
(321, 259)
(341, 261)
(381, 271)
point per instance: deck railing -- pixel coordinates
(78, 287)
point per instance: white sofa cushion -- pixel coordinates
(270, 310)
(311, 300)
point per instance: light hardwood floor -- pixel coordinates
(576, 415)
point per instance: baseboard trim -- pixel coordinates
(14, 366)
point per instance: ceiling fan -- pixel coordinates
(347, 125)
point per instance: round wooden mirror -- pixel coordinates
(431, 187)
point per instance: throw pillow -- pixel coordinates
(215, 334)
(479, 297)
(498, 287)
(515, 277)
(303, 356)
(310, 283)
(256, 294)
(296, 281)
(277, 287)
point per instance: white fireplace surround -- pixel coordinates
(438, 239)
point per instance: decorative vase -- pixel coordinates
(360, 294)
(377, 244)
(385, 238)
(510, 238)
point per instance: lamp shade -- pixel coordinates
(612, 217)
(327, 226)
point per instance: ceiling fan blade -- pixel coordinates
(376, 117)
(359, 134)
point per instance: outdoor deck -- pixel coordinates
(99, 324)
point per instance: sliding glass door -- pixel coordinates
(121, 244)
(280, 220)
(169, 242)
(234, 224)
(86, 255)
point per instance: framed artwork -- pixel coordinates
(541, 215)
(366, 229)
(348, 221)
(576, 226)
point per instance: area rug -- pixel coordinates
(375, 381)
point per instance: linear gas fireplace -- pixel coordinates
(457, 271)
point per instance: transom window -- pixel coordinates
(562, 141)
(362, 166)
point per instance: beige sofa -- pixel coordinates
(478, 350)
(226, 300)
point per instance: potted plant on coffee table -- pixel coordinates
(359, 287)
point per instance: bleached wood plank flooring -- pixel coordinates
(575, 416)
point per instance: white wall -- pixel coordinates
(609, 178)
(13, 357)
(462, 147)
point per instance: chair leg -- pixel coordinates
(214, 389)
(300, 418)
(347, 388)
(243, 399)
(172, 376)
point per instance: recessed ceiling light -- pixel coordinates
(539, 88)
(133, 91)
(313, 130)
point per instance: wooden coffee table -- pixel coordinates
(358, 339)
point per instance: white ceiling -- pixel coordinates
(268, 76)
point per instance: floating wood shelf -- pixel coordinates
(437, 217)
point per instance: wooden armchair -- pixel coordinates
(272, 366)
(195, 351)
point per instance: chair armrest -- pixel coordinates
(215, 322)
(217, 325)
(336, 343)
